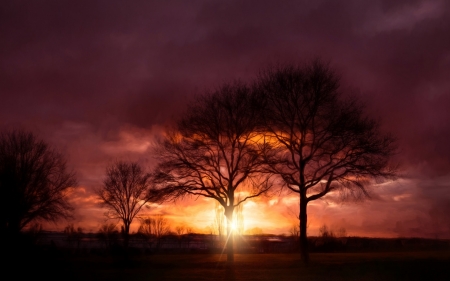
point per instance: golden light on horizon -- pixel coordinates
(263, 215)
(234, 226)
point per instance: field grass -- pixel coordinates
(425, 265)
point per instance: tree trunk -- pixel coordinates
(303, 228)
(126, 235)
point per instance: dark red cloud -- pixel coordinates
(101, 78)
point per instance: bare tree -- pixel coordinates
(326, 232)
(124, 193)
(213, 151)
(154, 227)
(180, 230)
(157, 226)
(183, 229)
(146, 227)
(108, 234)
(295, 231)
(73, 235)
(34, 180)
(320, 141)
(161, 226)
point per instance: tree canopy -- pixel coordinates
(124, 193)
(319, 139)
(34, 182)
(214, 152)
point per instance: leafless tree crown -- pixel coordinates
(213, 151)
(34, 180)
(125, 192)
(320, 140)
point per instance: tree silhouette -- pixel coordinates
(154, 227)
(73, 235)
(108, 234)
(182, 229)
(318, 140)
(124, 192)
(213, 151)
(34, 181)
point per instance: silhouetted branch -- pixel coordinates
(214, 152)
(34, 180)
(317, 140)
(124, 192)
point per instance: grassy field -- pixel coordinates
(426, 265)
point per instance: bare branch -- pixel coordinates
(34, 180)
(317, 140)
(124, 192)
(214, 151)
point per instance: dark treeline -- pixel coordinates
(192, 243)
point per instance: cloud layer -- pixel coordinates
(100, 79)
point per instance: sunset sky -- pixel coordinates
(99, 80)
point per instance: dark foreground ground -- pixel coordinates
(424, 265)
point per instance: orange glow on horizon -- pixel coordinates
(262, 215)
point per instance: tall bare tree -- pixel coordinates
(160, 225)
(156, 226)
(108, 234)
(320, 141)
(213, 151)
(34, 181)
(124, 192)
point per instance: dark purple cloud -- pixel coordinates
(99, 79)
